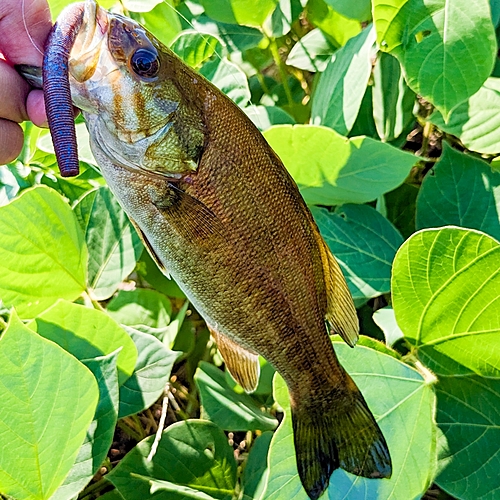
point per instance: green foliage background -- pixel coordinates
(386, 114)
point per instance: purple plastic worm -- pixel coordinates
(56, 89)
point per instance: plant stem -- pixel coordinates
(282, 69)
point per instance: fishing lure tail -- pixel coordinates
(343, 433)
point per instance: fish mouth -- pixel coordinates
(86, 50)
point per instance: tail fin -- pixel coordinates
(341, 434)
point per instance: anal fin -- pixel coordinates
(243, 364)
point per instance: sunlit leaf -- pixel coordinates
(249, 12)
(386, 320)
(354, 9)
(48, 402)
(331, 169)
(195, 48)
(311, 52)
(43, 256)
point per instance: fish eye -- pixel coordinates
(145, 63)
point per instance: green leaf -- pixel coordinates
(151, 374)
(86, 333)
(48, 401)
(342, 84)
(461, 190)
(386, 320)
(447, 48)
(265, 117)
(401, 206)
(445, 286)
(281, 20)
(403, 404)
(159, 485)
(163, 21)
(249, 12)
(476, 122)
(140, 5)
(393, 100)
(229, 78)
(312, 52)
(467, 413)
(43, 256)
(56, 6)
(224, 407)
(256, 471)
(339, 29)
(192, 453)
(353, 9)
(99, 436)
(364, 243)
(113, 244)
(361, 171)
(140, 307)
(195, 48)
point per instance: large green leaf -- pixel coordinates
(331, 169)
(476, 122)
(99, 436)
(446, 47)
(403, 404)
(468, 414)
(192, 453)
(195, 48)
(224, 407)
(353, 9)
(445, 296)
(364, 243)
(86, 334)
(151, 374)
(256, 472)
(43, 256)
(340, 90)
(48, 401)
(461, 190)
(312, 52)
(163, 21)
(393, 100)
(249, 12)
(113, 244)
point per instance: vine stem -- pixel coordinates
(281, 68)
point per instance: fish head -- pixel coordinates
(134, 94)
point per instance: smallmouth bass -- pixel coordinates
(219, 212)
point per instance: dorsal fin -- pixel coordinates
(340, 311)
(242, 364)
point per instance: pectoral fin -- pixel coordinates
(243, 364)
(340, 312)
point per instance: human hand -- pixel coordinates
(24, 25)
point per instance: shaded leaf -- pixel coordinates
(151, 374)
(337, 98)
(201, 444)
(256, 472)
(445, 296)
(56, 396)
(447, 48)
(224, 407)
(113, 244)
(43, 256)
(86, 334)
(331, 169)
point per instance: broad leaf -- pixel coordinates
(195, 48)
(256, 472)
(48, 401)
(447, 48)
(192, 453)
(476, 122)
(402, 402)
(163, 21)
(393, 100)
(312, 52)
(86, 334)
(468, 414)
(151, 374)
(386, 320)
(330, 169)
(249, 12)
(100, 434)
(113, 244)
(353, 9)
(284, 15)
(364, 243)
(445, 296)
(340, 90)
(43, 256)
(224, 407)
(265, 117)
(461, 190)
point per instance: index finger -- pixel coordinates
(24, 25)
